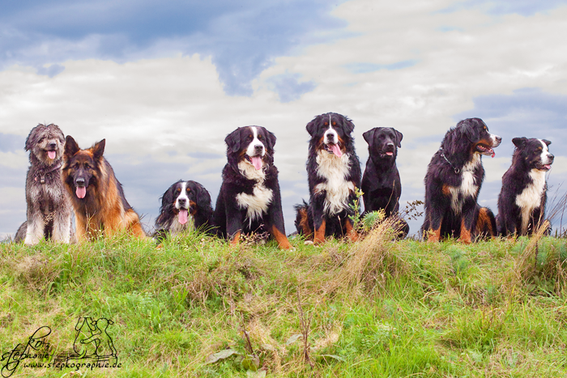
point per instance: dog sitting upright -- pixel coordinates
(249, 199)
(381, 182)
(452, 183)
(96, 194)
(48, 206)
(333, 173)
(521, 203)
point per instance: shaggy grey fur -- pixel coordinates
(49, 208)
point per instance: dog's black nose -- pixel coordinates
(390, 146)
(182, 201)
(258, 149)
(80, 182)
(550, 157)
(52, 145)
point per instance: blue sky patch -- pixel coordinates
(371, 67)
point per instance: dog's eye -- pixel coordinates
(259, 137)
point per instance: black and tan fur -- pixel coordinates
(521, 203)
(249, 200)
(97, 196)
(185, 205)
(333, 173)
(48, 206)
(452, 183)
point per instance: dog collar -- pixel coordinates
(42, 176)
(457, 170)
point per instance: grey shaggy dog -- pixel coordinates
(49, 207)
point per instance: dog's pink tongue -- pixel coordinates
(81, 192)
(182, 217)
(257, 162)
(51, 154)
(336, 150)
(493, 153)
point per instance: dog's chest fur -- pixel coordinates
(469, 186)
(335, 170)
(530, 198)
(175, 227)
(258, 202)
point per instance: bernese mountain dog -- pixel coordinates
(186, 205)
(249, 200)
(521, 203)
(452, 183)
(381, 184)
(333, 172)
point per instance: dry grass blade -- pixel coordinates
(524, 266)
(368, 258)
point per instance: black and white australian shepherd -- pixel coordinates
(333, 172)
(249, 200)
(521, 203)
(186, 205)
(452, 183)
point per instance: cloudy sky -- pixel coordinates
(165, 82)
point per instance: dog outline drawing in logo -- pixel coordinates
(92, 339)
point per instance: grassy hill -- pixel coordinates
(199, 308)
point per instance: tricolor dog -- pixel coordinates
(452, 183)
(186, 205)
(249, 200)
(521, 203)
(333, 173)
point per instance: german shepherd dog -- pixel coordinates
(48, 206)
(452, 183)
(96, 195)
(521, 203)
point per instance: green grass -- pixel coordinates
(374, 308)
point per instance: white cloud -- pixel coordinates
(169, 113)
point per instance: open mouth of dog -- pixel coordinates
(256, 161)
(544, 167)
(81, 191)
(183, 215)
(52, 154)
(334, 148)
(387, 153)
(485, 150)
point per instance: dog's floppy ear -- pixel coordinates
(348, 125)
(369, 136)
(312, 126)
(271, 140)
(547, 142)
(232, 140)
(31, 139)
(71, 147)
(399, 137)
(98, 149)
(203, 199)
(520, 142)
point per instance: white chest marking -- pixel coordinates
(256, 203)
(530, 198)
(335, 169)
(469, 187)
